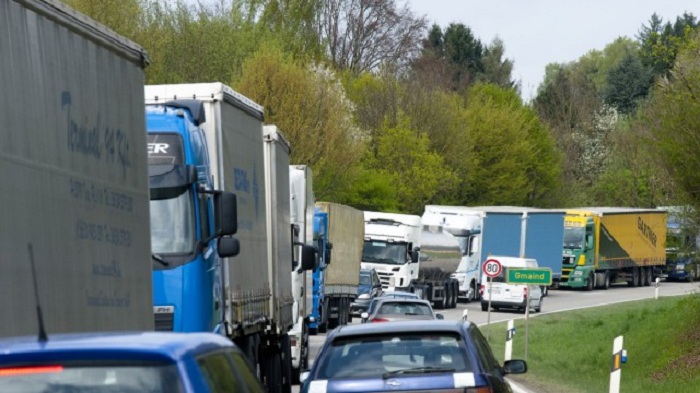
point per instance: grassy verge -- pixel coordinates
(572, 351)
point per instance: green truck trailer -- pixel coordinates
(604, 245)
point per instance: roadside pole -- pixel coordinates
(656, 288)
(618, 359)
(509, 341)
(491, 268)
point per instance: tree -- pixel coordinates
(308, 103)
(497, 70)
(660, 42)
(627, 83)
(673, 117)
(361, 35)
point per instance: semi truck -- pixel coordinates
(342, 276)
(214, 174)
(317, 302)
(302, 206)
(74, 175)
(515, 231)
(394, 247)
(603, 245)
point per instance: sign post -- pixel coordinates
(491, 268)
(529, 276)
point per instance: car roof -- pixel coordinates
(156, 345)
(403, 300)
(412, 326)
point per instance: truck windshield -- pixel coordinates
(573, 237)
(172, 225)
(384, 252)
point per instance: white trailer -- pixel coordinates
(74, 174)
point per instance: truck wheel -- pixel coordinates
(589, 283)
(635, 278)
(606, 280)
(647, 276)
(455, 294)
(474, 296)
(286, 363)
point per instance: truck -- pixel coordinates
(682, 244)
(516, 231)
(316, 301)
(74, 175)
(394, 248)
(603, 245)
(342, 276)
(302, 209)
(213, 174)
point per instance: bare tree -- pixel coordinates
(360, 35)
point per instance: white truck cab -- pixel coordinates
(392, 242)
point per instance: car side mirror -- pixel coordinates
(515, 366)
(439, 316)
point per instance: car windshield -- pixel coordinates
(365, 279)
(139, 377)
(394, 354)
(404, 308)
(383, 252)
(172, 225)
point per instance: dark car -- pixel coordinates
(369, 288)
(392, 309)
(424, 356)
(152, 362)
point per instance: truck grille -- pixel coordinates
(164, 322)
(386, 279)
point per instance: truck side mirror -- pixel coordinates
(414, 255)
(309, 257)
(225, 213)
(329, 248)
(228, 246)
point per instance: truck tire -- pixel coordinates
(590, 283)
(455, 294)
(606, 280)
(647, 276)
(635, 278)
(286, 362)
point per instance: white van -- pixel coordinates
(504, 295)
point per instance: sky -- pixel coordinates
(538, 32)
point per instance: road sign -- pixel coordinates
(536, 276)
(492, 267)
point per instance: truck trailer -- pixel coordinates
(74, 174)
(234, 180)
(603, 245)
(342, 276)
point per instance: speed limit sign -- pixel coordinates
(492, 267)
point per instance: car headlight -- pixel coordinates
(364, 296)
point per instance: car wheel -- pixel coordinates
(545, 291)
(539, 306)
(484, 306)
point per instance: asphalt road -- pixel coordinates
(556, 301)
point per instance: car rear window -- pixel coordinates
(394, 355)
(83, 378)
(404, 308)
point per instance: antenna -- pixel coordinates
(42, 331)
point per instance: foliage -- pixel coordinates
(627, 84)
(514, 159)
(362, 35)
(660, 42)
(308, 104)
(673, 116)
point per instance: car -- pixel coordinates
(389, 309)
(369, 288)
(424, 356)
(498, 293)
(390, 295)
(125, 362)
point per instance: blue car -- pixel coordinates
(150, 362)
(431, 355)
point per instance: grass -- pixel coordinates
(572, 351)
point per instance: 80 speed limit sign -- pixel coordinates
(492, 267)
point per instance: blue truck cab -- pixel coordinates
(125, 362)
(318, 315)
(191, 223)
